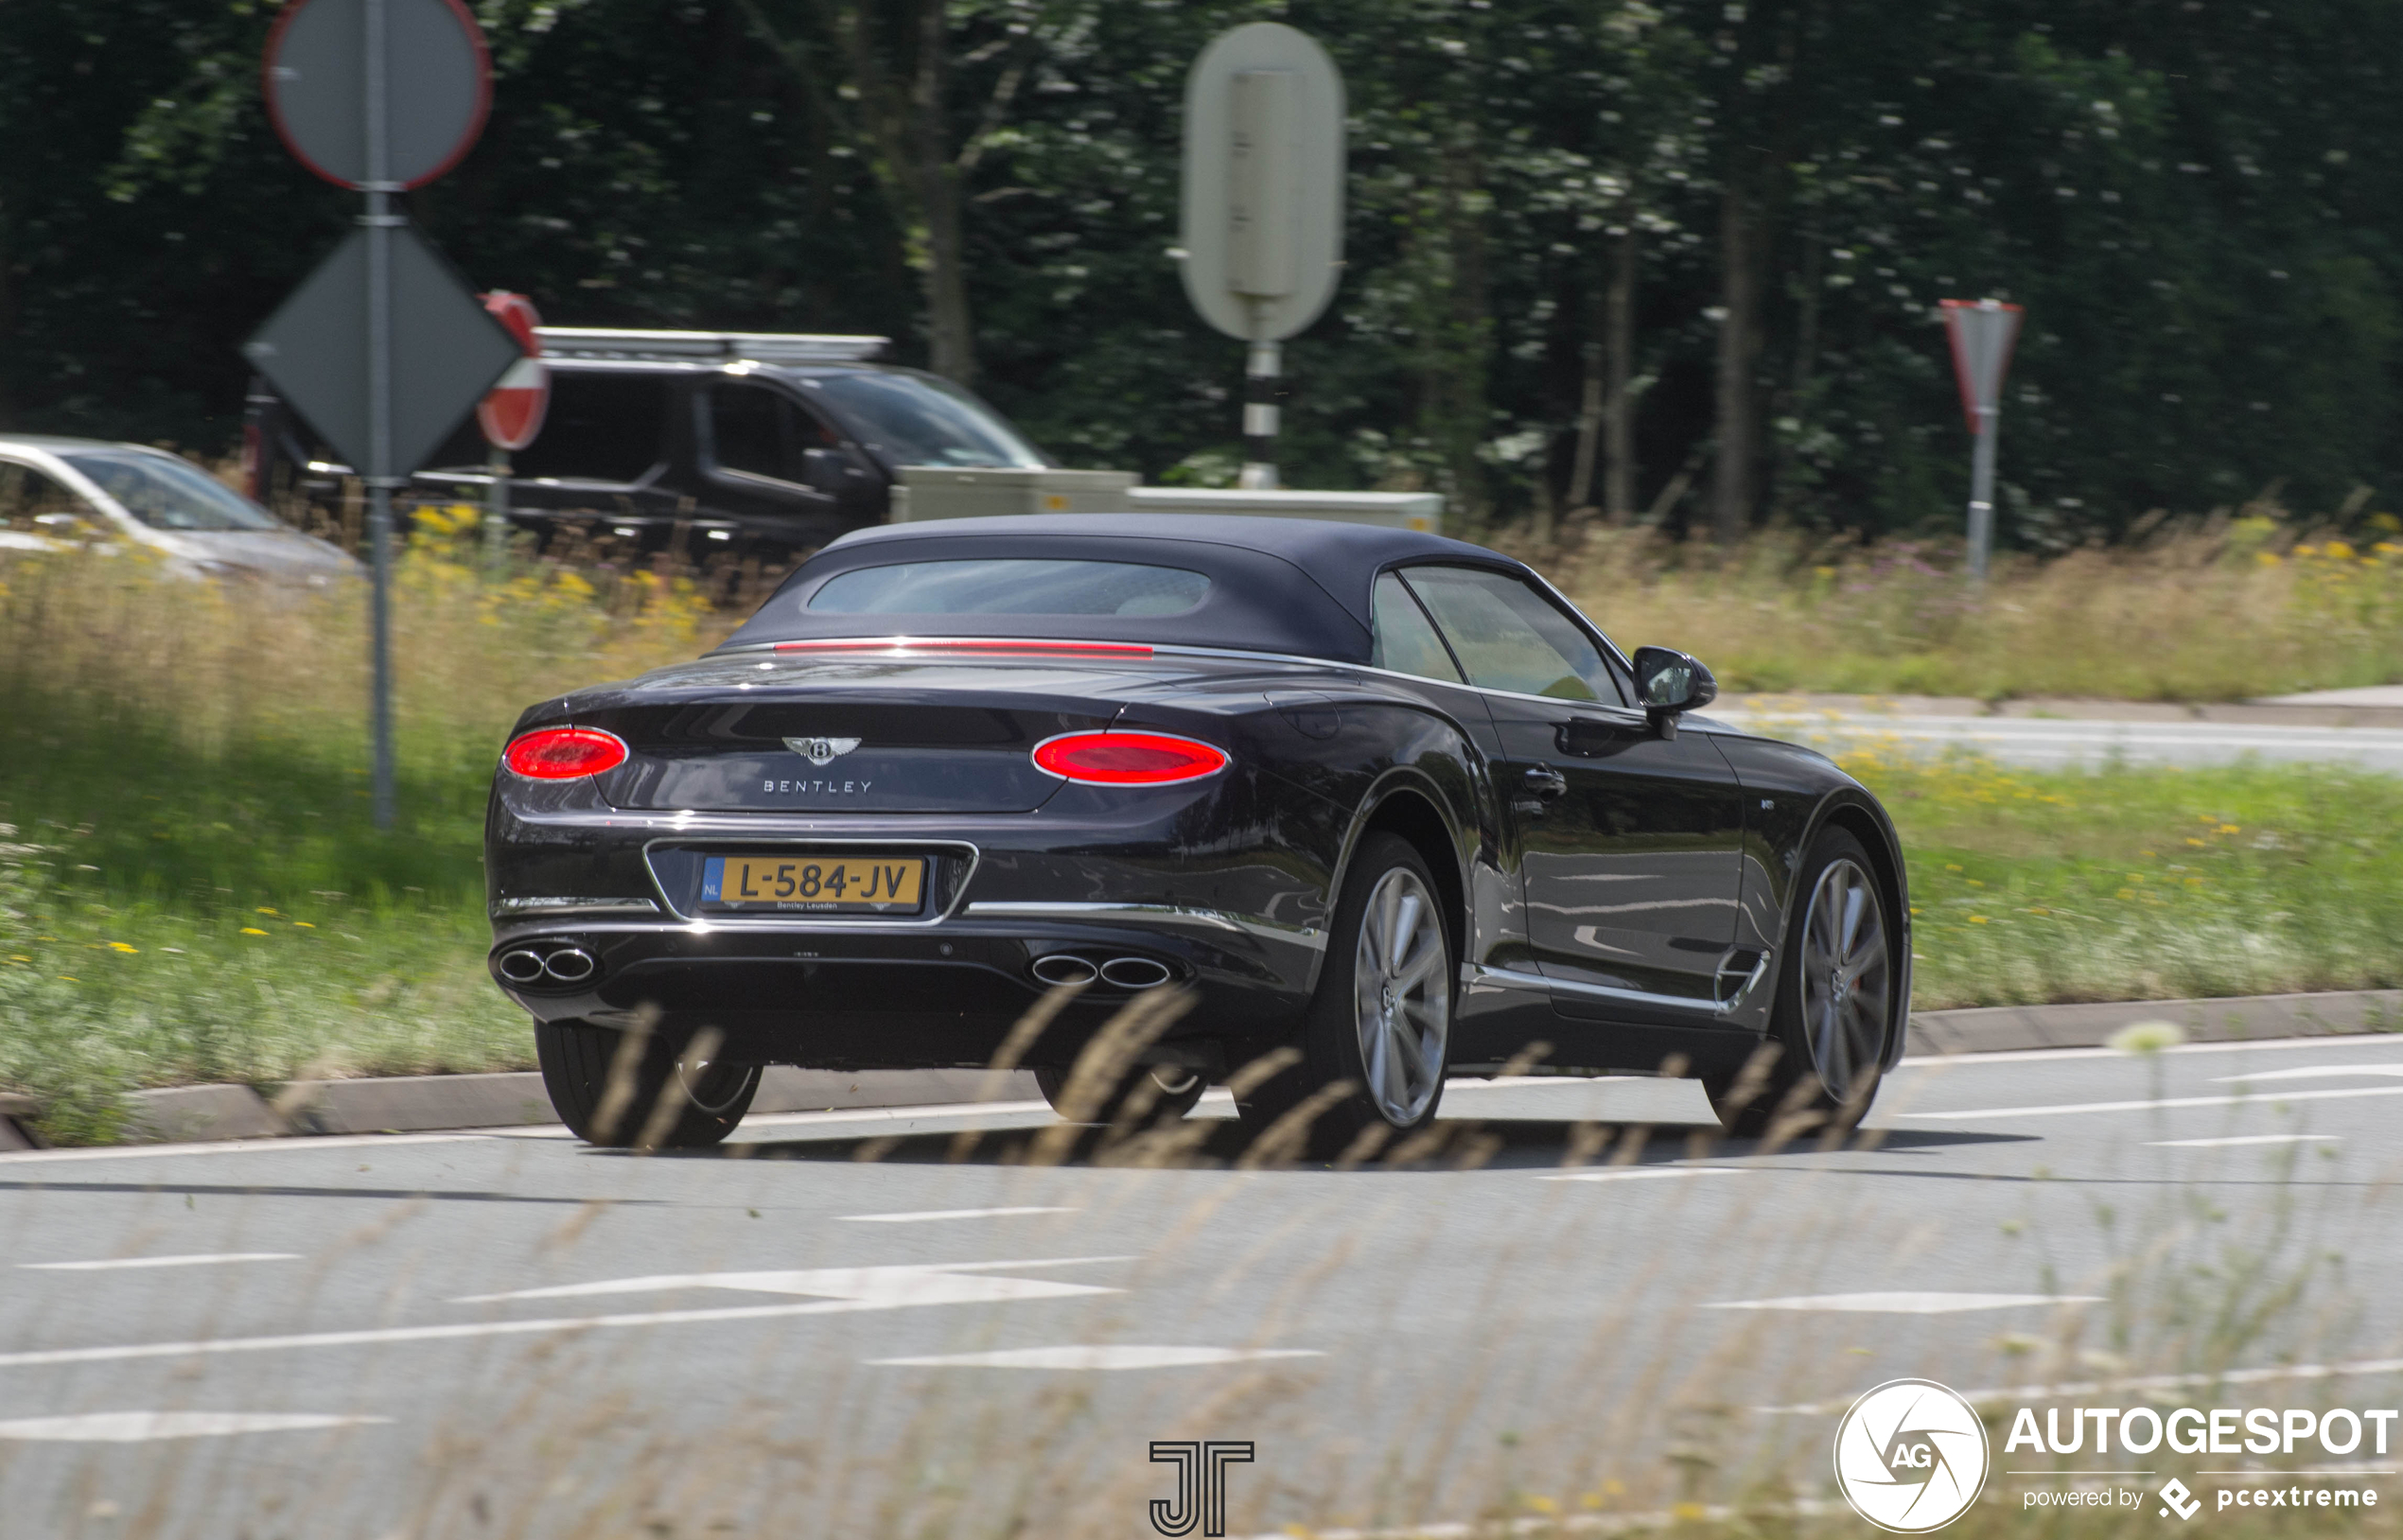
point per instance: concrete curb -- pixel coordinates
(2002, 1028)
(15, 1111)
(423, 1103)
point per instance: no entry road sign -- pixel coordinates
(330, 65)
(512, 413)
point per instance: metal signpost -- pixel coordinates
(511, 415)
(1982, 333)
(383, 349)
(1263, 214)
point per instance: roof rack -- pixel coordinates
(751, 346)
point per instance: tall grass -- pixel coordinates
(2229, 610)
(191, 888)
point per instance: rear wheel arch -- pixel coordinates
(1415, 813)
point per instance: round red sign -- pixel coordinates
(511, 413)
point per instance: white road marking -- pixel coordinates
(2039, 1056)
(196, 1260)
(924, 1215)
(1904, 1302)
(141, 1426)
(117, 1352)
(1109, 1355)
(2234, 1140)
(2308, 1072)
(1637, 1173)
(2059, 1108)
(953, 1282)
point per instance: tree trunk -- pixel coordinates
(1618, 408)
(1590, 414)
(951, 330)
(1732, 494)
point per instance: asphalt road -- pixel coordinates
(2054, 742)
(852, 1325)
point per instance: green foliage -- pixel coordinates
(2196, 206)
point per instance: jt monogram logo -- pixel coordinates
(1200, 1484)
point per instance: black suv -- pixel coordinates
(703, 444)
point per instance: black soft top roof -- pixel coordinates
(1298, 586)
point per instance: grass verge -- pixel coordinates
(191, 889)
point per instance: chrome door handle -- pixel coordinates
(1547, 783)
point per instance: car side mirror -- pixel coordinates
(1669, 682)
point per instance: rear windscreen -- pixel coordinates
(1011, 587)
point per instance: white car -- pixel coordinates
(57, 494)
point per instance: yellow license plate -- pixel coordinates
(815, 884)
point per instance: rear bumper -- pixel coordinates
(842, 995)
(1235, 919)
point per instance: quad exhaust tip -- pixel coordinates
(569, 965)
(1134, 973)
(1065, 968)
(1118, 973)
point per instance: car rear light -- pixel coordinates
(564, 753)
(968, 644)
(1127, 758)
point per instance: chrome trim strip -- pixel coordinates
(575, 906)
(1512, 978)
(924, 846)
(1153, 913)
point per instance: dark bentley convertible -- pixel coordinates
(1381, 799)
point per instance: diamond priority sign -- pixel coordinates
(446, 349)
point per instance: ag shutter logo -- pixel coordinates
(1910, 1456)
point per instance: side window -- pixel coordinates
(1509, 637)
(32, 504)
(1406, 641)
(599, 427)
(764, 432)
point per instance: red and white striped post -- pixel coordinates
(1982, 332)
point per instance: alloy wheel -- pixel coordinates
(1402, 996)
(1847, 978)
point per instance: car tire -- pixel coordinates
(1151, 1095)
(1378, 1038)
(1834, 1005)
(579, 1061)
